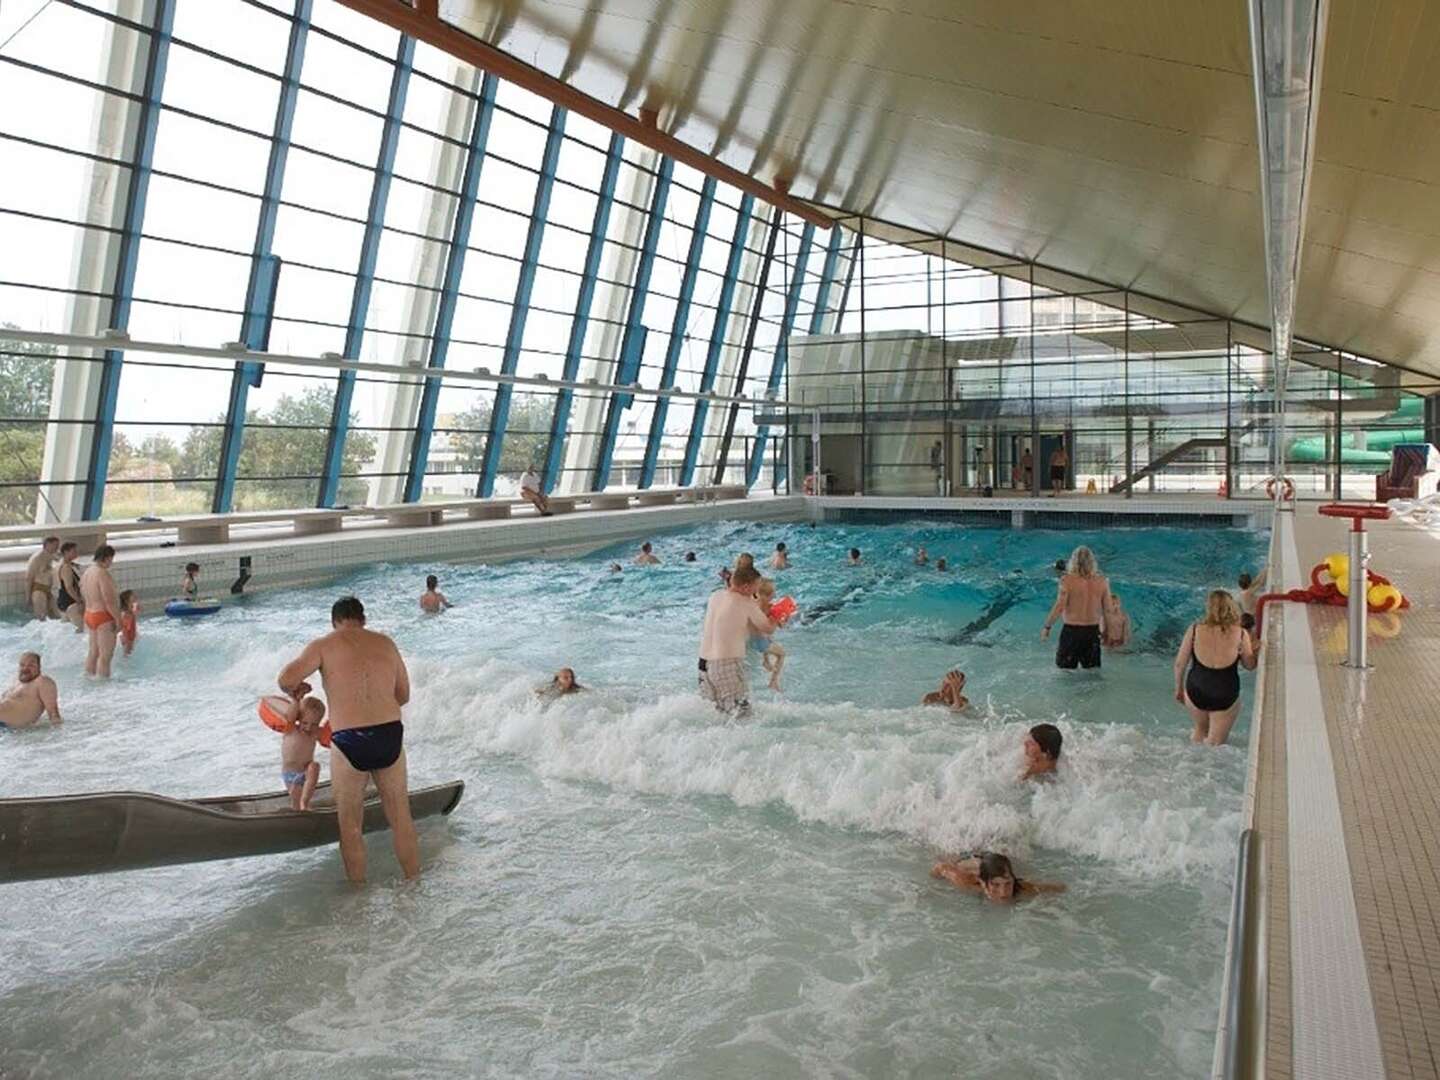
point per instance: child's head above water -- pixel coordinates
(127, 599)
(192, 568)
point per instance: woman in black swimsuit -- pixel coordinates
(1213, 650)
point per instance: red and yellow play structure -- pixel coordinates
(1380, 594)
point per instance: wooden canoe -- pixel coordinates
(69, 835)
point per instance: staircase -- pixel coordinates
(1177, 452)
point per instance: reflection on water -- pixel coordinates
(632, 886)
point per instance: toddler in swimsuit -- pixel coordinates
(772, 656)
(299, 770)
(129, 632)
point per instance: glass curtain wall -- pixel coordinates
(293, 176)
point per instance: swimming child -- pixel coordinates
(129, 608)
(190, 584)
(921, 557)
(563, 683)
(772, 656)
(432, 599)
(1117, 624)
(990, 874)
(299, 771)
(854, 559)
(951, 692)
(941, 565)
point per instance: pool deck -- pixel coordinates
(1345, 800)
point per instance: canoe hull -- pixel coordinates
(70, 835)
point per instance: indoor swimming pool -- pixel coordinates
(633, 886)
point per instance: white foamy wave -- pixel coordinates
(1125, 797)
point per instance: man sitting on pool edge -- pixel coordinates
(33, 694)
(366, 685)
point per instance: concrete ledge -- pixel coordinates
(610, 501)
(325, 521)
(562, 504)
(488, 511)
(215, 533)
(657, 498)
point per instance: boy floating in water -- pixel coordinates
(190, 583)
(1117, 624)
(432, 599)
(299, 770)
(1042, 752)
(950, 694)
(129, 632)
(563, 683)
(772, 656)
(991, 875)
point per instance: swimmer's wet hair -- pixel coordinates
(347, 609)
(432, 582)
(1246, 581)
(854, 553)
(126, 597)
(744, 575)
(995, 865)
(315, 705)
(1049, 739)
(780, 546)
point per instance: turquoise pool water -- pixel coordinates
(634, 887)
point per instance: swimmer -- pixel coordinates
(772, 656)
(1059, 567)
(190, 583)
(1042, 751)
(32, 696)
(921, 558)
(367, 685)
(102, 611)
(1117, 624)
(991, 875)
(38, 579)
(950, 693)
(941, 565)
(67, 577)
(563, 683)
(646, 556)
(1213, 648)
(299, 771)
(689, 556)
(1251, 589)
(616, 568)
(854, 558)
(1081, 601)
(781, 559)
(432, 600)
(730, 615)
(129, 631)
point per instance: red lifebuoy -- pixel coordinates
(1287, 488)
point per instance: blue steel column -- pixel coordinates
(555, 449)
(827, 280)
(632, 345)
(782, 349)
(128, 256)
(365, 272)
(264, 267)
(677, 331)
(723, 305)
(450, 285)
(520, 309)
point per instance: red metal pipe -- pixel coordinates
(423, 23)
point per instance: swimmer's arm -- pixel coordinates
(1182, 657)
(1249, 655)
(293, 674)
(49, 699)
(1029, 887)
(957, 875)
(959, 704)
(1055, 610)
(402, 680)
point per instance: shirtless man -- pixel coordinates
(531, 493)
(366, 685)
(646, 556)
(32, 694)
(781, 559)
(37, 579)
(1059, 467)
(1082, 599)
(730, 616)
(102, 611)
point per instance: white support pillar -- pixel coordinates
(75, 390)
(399, 404)
(607, 324)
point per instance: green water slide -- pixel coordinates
(1378, 441)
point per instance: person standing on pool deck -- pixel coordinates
(33, 694)
(1059, 465)
(366, 685)
(1214, 648)
(38, 577)
(102, 611)
(730, 616)
(1081, 601)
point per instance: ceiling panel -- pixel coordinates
(1113, 139)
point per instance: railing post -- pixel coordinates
(1356, 612)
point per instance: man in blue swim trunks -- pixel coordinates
(366, 685)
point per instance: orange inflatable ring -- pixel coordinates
(272, 710)
(1287, 488)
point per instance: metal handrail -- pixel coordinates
(1242, 1033)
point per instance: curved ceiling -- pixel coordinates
(1113, 139)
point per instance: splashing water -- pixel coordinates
(633, 886)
